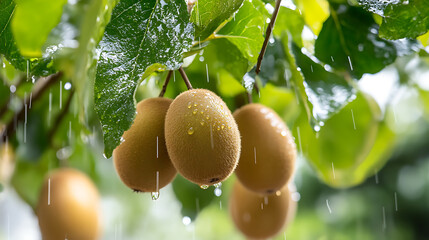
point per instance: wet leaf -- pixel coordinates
(32, 22)
(352, 145)
(207, 15)
(246, 30)
(327, 91)
(349, 41)
(401, 19)
(292, 21)
(140, 34)
(192, 197)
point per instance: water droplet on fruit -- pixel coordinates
(202, 123)
(155, 195)
(223, 126)
(191, 131)
(189, 104)
(204, 187)
(195, 111)
(278, 193)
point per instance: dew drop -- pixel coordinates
(195, 104)
(283, 133)
(217, 185)
(207, 117)
(223, 126)
(278, 193)
(189, 104)
(191, 131)
(218, 128)
(204, 187)
(155, 195)
(195, 111)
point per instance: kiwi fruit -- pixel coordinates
(258, 216)
(141, 160)
(268, 151)
(68, 207)
(202, 137)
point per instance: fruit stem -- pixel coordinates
(185, 78)
(167, 80)
(267, 36)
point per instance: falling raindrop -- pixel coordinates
(384, 218)
(254, 151)
(353, 118)
(12, 88)
(333, 169)
(28, 70)
(207, 72)
(49, 191)
(329, 208)
(350, 63)
(67, 86)
(396, 202)
(211, 137)
(157, 146)
(61, 94)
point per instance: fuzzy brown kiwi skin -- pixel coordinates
(69, 206)
(202, 137)
(259, 216)
(143, 152)
(268, 152)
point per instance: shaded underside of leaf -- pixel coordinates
(140, 33)
(349, 41)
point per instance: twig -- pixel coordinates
(267, 36)
(185, 78)
(60, 116)
(40, 87)
(164, 87)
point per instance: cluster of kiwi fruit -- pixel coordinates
(197, 136)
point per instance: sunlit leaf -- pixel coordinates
(8, 47)
(32, 22)
(140, 34)
(246, 30)
(315, 13)
(207, 15)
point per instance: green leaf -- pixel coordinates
(246, 30)
(327, 91)
(32, 22)
(8, 47)
(349, 41)
(292, 21)
(207, 15)
(140, 34)
(401, 19)
(352, 145)
(192, 197)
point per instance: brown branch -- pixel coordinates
(60, 116)
(4, 108)
(267, 36)
(185, 78)
(39, 88)
(167, 80)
